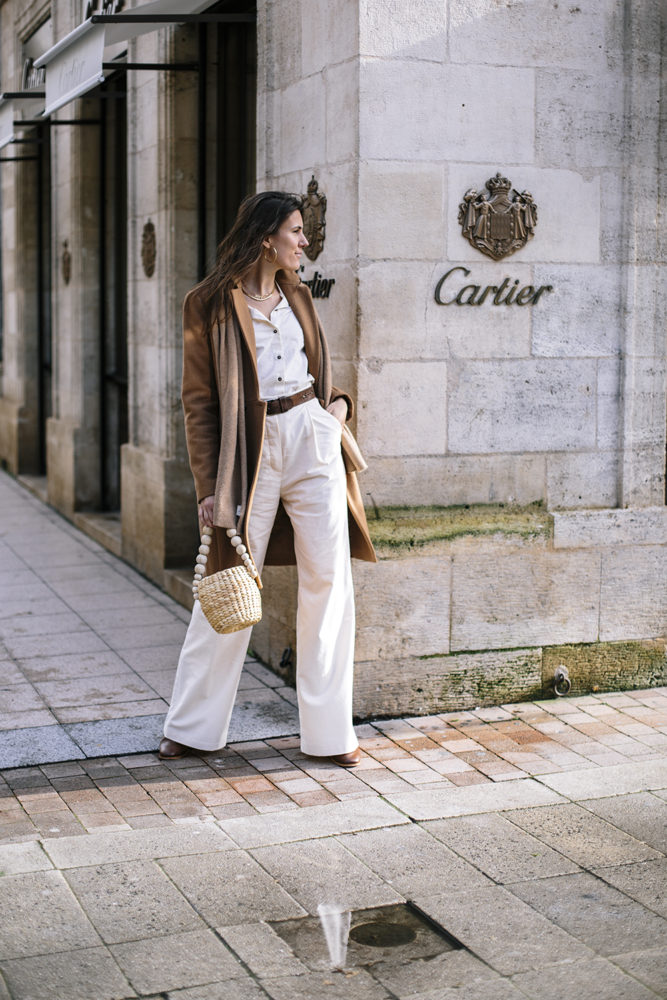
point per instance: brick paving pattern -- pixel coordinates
(430, 753)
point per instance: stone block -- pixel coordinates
(617, 779)
(506, 599)
(391, 311)
(505, 933)
(340, 185)
(582, 479)
(131, 900)
(402, 407)
(521, 406)
(230, 888)
(322, 871)
(399, 610)
(579, 835)
(648, 966)
(589, 528)
(303, 124)
(597, 977)
(581, 121)
(393, 31)
(134, 845)
(592, 912)
(400, 186)
(454, 480)
(500, 850)
(317, 821)
(555, 241)
(644, 388)
(583, 317)
(407, 857)
(644, 881)
(608, 666)
(78, 975)
(189, 959)
(329, 34)
(609, 408)
(15, 859)
(642, 815)
(25, 932)
(432, 683)
(262, 950)
(342, 110)
(633, 595)
(466, 800)
(37, 745)
(536, 34)
(325, 984)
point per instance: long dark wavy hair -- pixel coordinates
(259, 215)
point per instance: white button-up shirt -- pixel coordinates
(282, 365)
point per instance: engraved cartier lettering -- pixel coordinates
(507, 293)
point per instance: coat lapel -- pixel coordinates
(245, 320)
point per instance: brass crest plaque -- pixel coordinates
(500, 224)
(314, 223)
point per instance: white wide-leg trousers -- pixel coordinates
(301, 465)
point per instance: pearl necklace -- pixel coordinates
(258, 298)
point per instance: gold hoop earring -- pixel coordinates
(271, 260)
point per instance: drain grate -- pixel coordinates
(397, 933)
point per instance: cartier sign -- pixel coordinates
(450, 292)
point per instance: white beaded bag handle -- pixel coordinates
(230, 599)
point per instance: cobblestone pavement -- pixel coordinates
(533, 834)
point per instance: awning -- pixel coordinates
(74, 65)
(17, 106)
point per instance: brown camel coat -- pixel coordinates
(224, 421)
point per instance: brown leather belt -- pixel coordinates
(284, 403)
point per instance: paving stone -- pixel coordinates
(262, 714)
(498, 848)
(131, 900)
(410, 859)
(501, 930)
(113, 736)
(327, 985)
(318, 821)
(240, 989)
(642, 815)
(581, 836)
(262, 950)
(176, 960)
(649, 966)
(135, 845)
(37, 745)
(430, 975)
(322, 871)
(15, 859)
(422, 805)
(40, 915)
(496, 989)
(597, 978)
(54, 645)
(230, 888)
(593, 912)
(619, 779)
(645, 882)
(88, 974)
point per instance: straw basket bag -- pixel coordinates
(230, 599)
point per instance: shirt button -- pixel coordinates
(278, 357)
(275, 331)
(279, 379)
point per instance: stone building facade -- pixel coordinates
(525, 432)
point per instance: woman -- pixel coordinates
(263, 427)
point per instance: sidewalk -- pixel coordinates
(534, 834)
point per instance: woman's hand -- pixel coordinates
(338, 409)
(206, 511)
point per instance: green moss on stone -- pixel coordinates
(412, 527)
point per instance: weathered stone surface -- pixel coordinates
(649, 966)
(504, 598)
(642, 815)
(418, 411)
(592, 528)
(435, 683)
(645, 882)
(134, 845)
(385, 183)
(499, 849)
(582, 479)
(176, 960)
(617, 779)
(262, 950)
(521, 405)
(592, 912)
(23, 932)
(608, 666)
(597, 977)
(512, 794)
(633, 594)
(85, 974)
